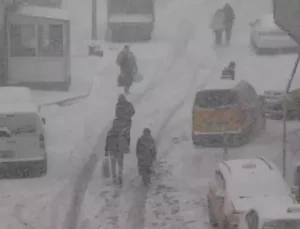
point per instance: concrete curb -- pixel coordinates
(70, 99)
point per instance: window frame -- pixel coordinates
(10, 40)
(40, 39)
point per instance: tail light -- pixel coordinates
(42, 141)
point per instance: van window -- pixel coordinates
(220, 98)
(19, 124)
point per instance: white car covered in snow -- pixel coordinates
(240, 185)
(274, 215)
(266, 36)
(22, 135)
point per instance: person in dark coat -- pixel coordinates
(228, 21)
(116, 146)
(127, 62)
(229, 71)
(125, 111)
(145, 152)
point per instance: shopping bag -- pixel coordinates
(106, 168)
(137, 77)
(121, 80)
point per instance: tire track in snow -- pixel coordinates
(85, 175)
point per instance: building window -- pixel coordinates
(51, 40)
(22, 40)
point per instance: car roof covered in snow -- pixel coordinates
(253, 177)
(278, 211)
(18, 108)
(15, 95)
(244, 204)
(43, 12)
(267, 22)
(221, 84)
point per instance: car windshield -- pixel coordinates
(220, 98)
(283, 224)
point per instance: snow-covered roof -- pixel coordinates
(278, 210)
(43, 12)
(18, 108)
(219, 84)
(253, 177)
(15, 94)
(258, 202)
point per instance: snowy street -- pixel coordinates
(178, 61)
(177, 196)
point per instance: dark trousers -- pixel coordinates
(218, 36)
(228, 32)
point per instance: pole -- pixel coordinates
(284, 140)
(94, 20)
(225, 144)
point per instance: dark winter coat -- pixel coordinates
(228, 73)
(229, 16)
(124, 110)
(117, 139)
(145, 152)
(128, 67)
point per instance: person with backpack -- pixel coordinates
(126, 60)
(146, 155)
(115, 147)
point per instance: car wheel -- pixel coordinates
(211, 217)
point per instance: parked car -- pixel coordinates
(272, 215)
(22, 135)
(274, 104)
(266, 36)
(227, 106)
(242, 184)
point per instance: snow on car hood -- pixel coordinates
(242, 204)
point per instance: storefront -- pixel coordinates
(39, 48)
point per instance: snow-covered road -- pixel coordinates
(178, 61)
(176, 199)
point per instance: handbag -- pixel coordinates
(121, 80)
(137, 77)
(106, 167)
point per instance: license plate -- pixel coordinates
(6, 154)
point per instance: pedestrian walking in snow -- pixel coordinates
(116, 146)
(229, 18)
(146, 155)
(229, 71)
(218, 25)
(127, 62)
(125, 111)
